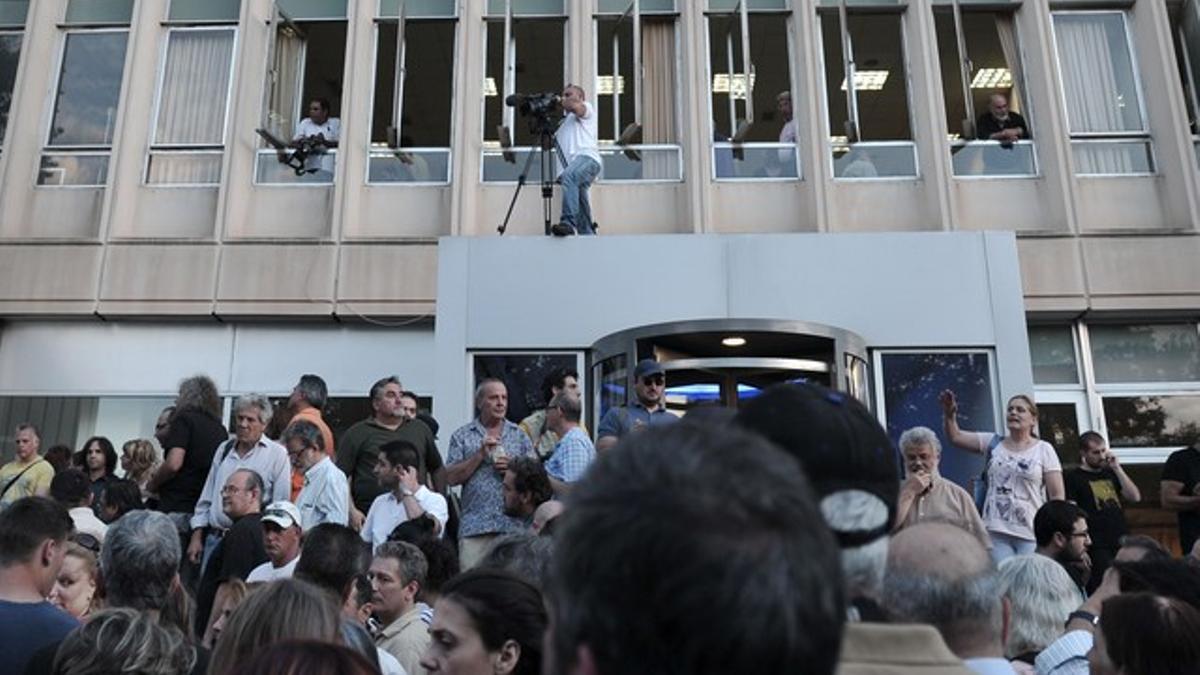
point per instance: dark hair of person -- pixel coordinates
(31, 427)
(123, 496)
(413, 529)
(1056, 517)
(1154, 550)
(323, 101)
(1172, 578)
(70, 488)
(198, 393)
(556, 379)
(331, 556)
(726, 573)
(530, 476)
(442, 562)
(1089, 438)
(362, 590)
(281, 610)
(28, 522)
(110, 453)
(305, 657)
(1150, 634)
(503, 607)
(311, 387)
(307, 432)
(400, 453)
(524, 554)
(59, 457)
(377, 389)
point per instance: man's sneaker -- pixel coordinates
(561, 230)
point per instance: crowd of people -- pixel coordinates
(788, 536)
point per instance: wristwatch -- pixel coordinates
(407, 493)
(1084, 616)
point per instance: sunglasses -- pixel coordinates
(654, 379)
(87, 541)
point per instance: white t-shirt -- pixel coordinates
(578, 136)
(1016, 487)
(387, 512)
(267, 572)
(331, 130)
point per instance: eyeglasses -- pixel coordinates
(87, 541)
(230, 489)
(651, 380)
(1085, 535)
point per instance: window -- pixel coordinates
(414, 85)
(84, 116)
(189, 131)
(306, 64)
(1185, 25)
(750, 83)
(526, 41)
(523, 374)
(1101, 94)
(986, 70)
(1145, 353)
(1052, 351)
(869, 127)
(12, 20)
(635, 92)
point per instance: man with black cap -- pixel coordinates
(649, 410)
(854, 471)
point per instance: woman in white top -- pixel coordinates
(1023, 473)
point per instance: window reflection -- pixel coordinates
(1145, 353)
(89, 87)
(1152, 421)
(10, 52)
(1052, 350)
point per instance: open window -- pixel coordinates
(750, 83)
(307, 59)
(988, 130)
(526, 42)
(866, 88)
(635, 89)
(84, 117)
(414, 88)
(12, 23)
(1185, 27)
(193, 94)
(1105, 115)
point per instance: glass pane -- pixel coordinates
(992, 46)
(859, 379)
(614, 92)
(911, 385)
(1145, 353)
(1052, 351)
(497, 170)
(1152, 421)
(410, 165)
(731, 5)
(195, 86)
(539, 66)
(1112, 157)
(415, 9)
(990, 158)
(770, 79)
(646, 6)
(759, 160)
(10, 55)
(12, 12)
(428, 86)
(881, 86)
(494, 86)
(527, 7)
(269, 170)
(99, 11)
(636, 162)
(283, 78)
(612, 375)
(184, 168)
(73, 170)
(523, 375)
(89, 87)
(313, 9)
(874, 160)
(205, 10)
(1058, 425)
(1186, 29)
(1099, 84)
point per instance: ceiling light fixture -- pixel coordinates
(734, 341)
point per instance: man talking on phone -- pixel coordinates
(925, 495)
(1098, 485)
(577, 136)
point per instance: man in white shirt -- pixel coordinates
(281, 539)
(70, 488)
(319, 132)
(405, 498)
(325, 497)
(577, 137)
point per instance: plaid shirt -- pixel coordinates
(571, 456)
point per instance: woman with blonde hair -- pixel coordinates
(74, 589)
(281, 610)
(124, 641)
(139, 460)
(229, 595)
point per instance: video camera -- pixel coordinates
(542, 110)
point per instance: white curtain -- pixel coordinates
(195, 87)
(1008, 44)
(285, 84)
(659, 94)
(1098, 85)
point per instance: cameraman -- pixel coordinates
(314, 134)
(577, 137)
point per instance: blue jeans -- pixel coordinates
(576, 179)
(1006, 546)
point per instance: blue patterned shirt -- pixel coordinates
(572, 456)
(482, 508)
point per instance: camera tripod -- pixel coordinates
(547, 151)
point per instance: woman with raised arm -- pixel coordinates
(1023, 472)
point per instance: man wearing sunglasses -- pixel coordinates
(650, 384)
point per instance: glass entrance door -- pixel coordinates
(730, 382)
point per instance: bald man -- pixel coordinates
(940, 574)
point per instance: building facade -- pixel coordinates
(148, 229)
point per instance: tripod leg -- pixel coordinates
(516, 193)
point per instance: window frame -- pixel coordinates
(65, 32)
(400, 77)
(1144, 135)
(743, 11)
(19, 32)
(152, 147)
(581, 367)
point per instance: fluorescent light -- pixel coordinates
(992, 78)
(604, 85)
(489, 86)
(734, 85)
(734, 341)
(868, 80)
